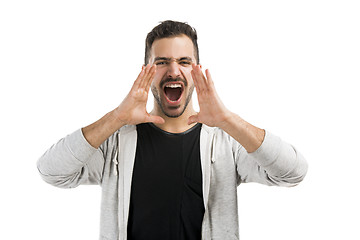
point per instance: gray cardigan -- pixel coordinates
(224, 162)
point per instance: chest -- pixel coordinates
(165, 159)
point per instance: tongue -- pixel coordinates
(173, 93)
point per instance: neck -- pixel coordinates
(174, 125)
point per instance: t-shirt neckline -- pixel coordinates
(176, 134)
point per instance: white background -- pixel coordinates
(290, 67)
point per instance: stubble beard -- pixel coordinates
(162, 107)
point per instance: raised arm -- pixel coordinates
(214, 113)
(261, 157)
(79, 158)
(131, 111)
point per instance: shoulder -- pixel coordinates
(126, 129)
(112, 141)
(220, 136)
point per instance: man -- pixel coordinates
(171, 173)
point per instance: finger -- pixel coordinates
(138, 79)
(151, 78)
(200, 78)
(209, 79)
(145, 77)
(155, 119)
(197, 87)
(148, 74)
(195, 78)
(193, 119)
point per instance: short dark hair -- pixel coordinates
(171, 29)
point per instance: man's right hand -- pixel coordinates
(131, 111)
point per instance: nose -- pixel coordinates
(174, 70)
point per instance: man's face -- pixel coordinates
(172, 86)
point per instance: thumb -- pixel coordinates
(193, 119)
(155, 119)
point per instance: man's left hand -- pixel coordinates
(212, 111)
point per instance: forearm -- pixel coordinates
(131, 111)
(102, 129)
(249, 136)
(213, 113)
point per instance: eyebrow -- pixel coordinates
(169, 59)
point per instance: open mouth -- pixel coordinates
(173, 91)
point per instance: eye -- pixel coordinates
(161, 63)
(185, 63)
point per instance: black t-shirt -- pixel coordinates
(166, 200)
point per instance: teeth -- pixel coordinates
(175, 85)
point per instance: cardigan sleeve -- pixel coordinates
(71, 161)
(275, 162)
